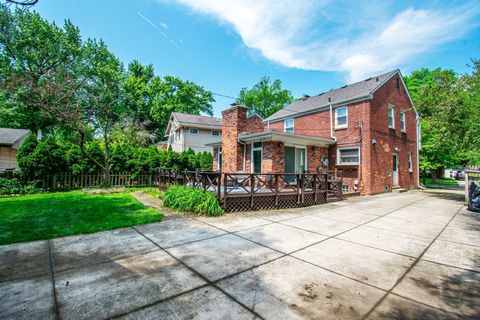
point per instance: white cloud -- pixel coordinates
(164, 25)
(338, 35)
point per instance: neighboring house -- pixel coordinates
(187, 131)
(369, 130)
(10, 141)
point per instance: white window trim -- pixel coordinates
(391, 107)
(215, 135)
(285, 125)
(190, 131)
(251, 156)
(337, 126)
(410, 163)
(350, 163)
(403, 116)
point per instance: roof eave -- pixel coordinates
(322, 107)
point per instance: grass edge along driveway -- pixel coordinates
(52, 215)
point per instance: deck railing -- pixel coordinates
(242, 192)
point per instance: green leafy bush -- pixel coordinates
(14, 186)
(191, 199)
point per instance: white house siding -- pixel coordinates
(185, 140)
(8, 158)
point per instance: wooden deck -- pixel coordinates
(244, 192)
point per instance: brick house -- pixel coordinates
(369, 130)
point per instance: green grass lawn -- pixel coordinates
(154, 192)
(51, 215)
(441, 182)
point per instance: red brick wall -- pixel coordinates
(391, 140)
(314, 156)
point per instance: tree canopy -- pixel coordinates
(266, 97)
(79, 91)
(449, 107)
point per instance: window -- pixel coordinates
(391, 116)
(348, 156)
(344, 189)
(257, 157)
(410, 166)
(402, 121)
(193, 130)
(288, 125)
(341, 117)
(171, 137)
(215, 133)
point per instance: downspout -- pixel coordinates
(331, 124)
(419, 134)
(268, 125)
(244, 154)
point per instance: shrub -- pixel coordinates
(191, 199)
(14, 186)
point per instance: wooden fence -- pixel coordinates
(243, 192)
(69, 181)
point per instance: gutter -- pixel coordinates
(419, 134)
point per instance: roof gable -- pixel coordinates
(356, 91)
(191, 120)
(12, 137)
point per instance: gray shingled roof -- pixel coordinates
(344, 94)
(186, 120)
(12, 137)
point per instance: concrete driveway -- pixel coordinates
(409, 255)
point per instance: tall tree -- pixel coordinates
(174, 94)
(38, 67)
(266, 97)
(449, 117)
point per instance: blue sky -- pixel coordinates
(311, 45)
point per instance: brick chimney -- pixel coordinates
(234, 122)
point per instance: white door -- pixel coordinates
(395, 169)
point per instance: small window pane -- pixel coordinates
(215, 133)
(193, 130)
(341, 117)
(349, 156)
(257, 144)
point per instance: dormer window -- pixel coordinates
(341, 117)
(288, 125)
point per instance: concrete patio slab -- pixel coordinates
(22, 260)
(281, 237)
(174, 232)
(283, 215)
(349, 215)
(469, 236)
(79, 251)
(422, 215)
(394, 307)
(447, 288)
(114, 288)
(291, 289)
(407, 227)
(28, 298)
(387, 240)
(235, 223)
(323, 226)
(372, 266)
(205, 303)
(231, 254)
(454, 254)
